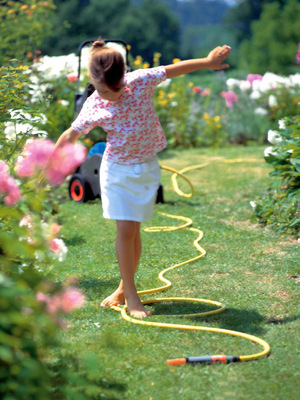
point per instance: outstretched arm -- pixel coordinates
(69, 136)
(214, 60)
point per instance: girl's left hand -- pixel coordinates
(217, 56)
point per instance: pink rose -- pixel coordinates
(254, 77)
(36, 155)
(71, 299)
(229, 97)
(8, 186)
(65, 301)
(205, 92)
(56, 163)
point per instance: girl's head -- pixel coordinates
(106, 70)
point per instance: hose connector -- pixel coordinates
(220, 359)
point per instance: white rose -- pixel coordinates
(245, 86)
(281, 124)
(232, 83)
(255, 94)
(273, 101)
(260, 111)
(274, 137)
(269, 151)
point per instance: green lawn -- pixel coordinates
(250, 269)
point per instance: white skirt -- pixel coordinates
(128, 192)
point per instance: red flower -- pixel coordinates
(72, 77)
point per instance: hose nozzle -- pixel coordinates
(220, 359)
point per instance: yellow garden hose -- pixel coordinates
(187, 222)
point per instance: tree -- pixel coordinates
(275, 35)
(22, 40)
(79, 20)
(151, 28)
(148, 26)
(200, 25)
(239, 18)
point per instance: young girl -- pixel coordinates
(122, 105)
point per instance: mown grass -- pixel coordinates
(250, 269)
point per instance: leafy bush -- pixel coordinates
(241, 113)
(23, 374)
(280, 206)
(31, 303)
(23, 25)
(274, 37)
(261, 102)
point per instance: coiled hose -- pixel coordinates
(187, 222)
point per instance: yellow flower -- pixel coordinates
(206, 116)
(146, 65)
(218, 126)
(128, 47)
(163, 102)
(176, 60)
(138, 60)
(191, 84)
(171, 95)
(217, 118)
(161, 94)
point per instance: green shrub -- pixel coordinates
(280, 206)
(23, 25)
(23, 373)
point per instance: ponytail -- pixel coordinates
(98, 44)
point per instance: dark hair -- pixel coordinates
(106, 65)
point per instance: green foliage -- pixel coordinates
(12, 88)
(60, 104)
(286, 102)
(173, 105)
(28, 326)
(188, 119)
(22, 40)
(23, 373)
(240, 17)
(273, 45)
(200, 26)
(147, 27)
(280, 207)
(151, 27)
(198, 40)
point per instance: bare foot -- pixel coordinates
(136, 309)
(115, 299)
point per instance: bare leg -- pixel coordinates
(128, 249)
(117, 298)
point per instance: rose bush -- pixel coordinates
(29, 242)
(279, 207)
